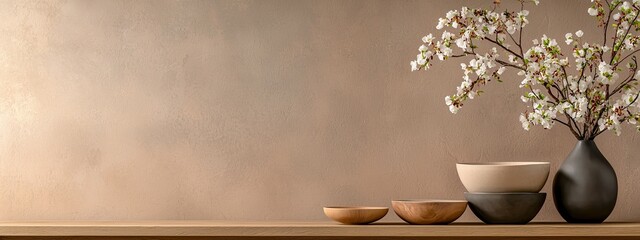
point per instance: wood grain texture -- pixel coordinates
(313, 238)
(356, 215)
(429, 211)
(151, 229)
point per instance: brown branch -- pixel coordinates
(623, 119)
(606, 25)
(513, 39)
(551, 93)
(560, 121)
(619, 87)
(576, 125)
(505, 48)
(555, 86)
(597, 125)
(506, 64)
(465, 53)
(635, 51)
(520, 33)
(570, 125)
(564, 70)
(570, 128)
(627, 80)
(614, 52)
(503, 63)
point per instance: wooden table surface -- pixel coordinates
(307, 230)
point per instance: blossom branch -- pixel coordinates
(629, 79)
(616, 50)
(584, 98)
(629, 55)
(520, 32)
(505, 48)
(569, 126)
(506, 64)
(624, 119)
(606, 25)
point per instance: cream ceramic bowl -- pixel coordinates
(356, 215)
(501, 177)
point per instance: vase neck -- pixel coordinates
(586, 150)
(586, 143)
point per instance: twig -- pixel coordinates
(624, 119)
(505, 48)
(509, 64)
(615, 52)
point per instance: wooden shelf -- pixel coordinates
(317, 230)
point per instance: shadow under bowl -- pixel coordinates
(355, 215)
(429, 211)
(505, 208)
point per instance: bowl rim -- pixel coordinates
(506, 193)
(355, 208)
(503, 164)
(429, 201)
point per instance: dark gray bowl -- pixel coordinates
(505, 208)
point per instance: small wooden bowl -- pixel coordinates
(355, 215)
(429, 211)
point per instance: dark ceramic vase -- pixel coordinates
(585, 188)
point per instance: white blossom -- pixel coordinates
(554, 85)
(569, 38)
(428, 39)
(626, 6)
(441, 23)
(421, 60)
(453, 109)
(414, 66)
(451, 14)
(525, 122)
(461, 43)
(606, 74)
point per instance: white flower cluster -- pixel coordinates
(625, 19)
(589, 98)
(480, 66)
(543, 62)
(624, 109)
(473, 25)
(585, 99)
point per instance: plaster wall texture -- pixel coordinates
(254, 110)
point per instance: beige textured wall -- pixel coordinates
(263, 110)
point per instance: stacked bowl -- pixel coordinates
(504, 192)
